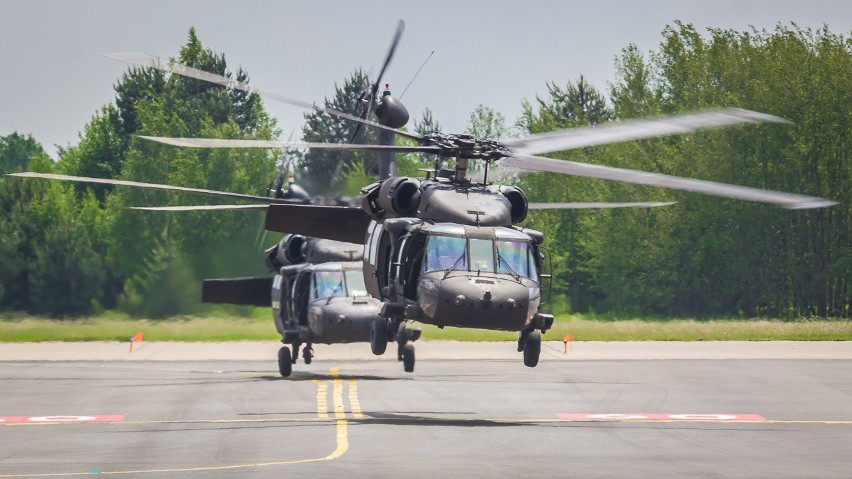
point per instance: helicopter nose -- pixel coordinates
(477, 302)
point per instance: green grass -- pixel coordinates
(258, 326)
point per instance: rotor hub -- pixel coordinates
(466, 146)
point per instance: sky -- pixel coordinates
(496, 53)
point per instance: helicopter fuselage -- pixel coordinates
(322, 303)
(457, 261)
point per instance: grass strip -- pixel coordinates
(117, 327)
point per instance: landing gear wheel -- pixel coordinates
(532, 350)
(285, 361)
(408, 358)
(379, 336)
(308, 354)
(401, 341)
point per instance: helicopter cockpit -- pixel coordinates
(448, 248)
(326, 283)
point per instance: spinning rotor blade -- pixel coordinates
(145, 60)
(153, 186)
(199, 207)
(587, 206)
(225, 143)
(785, 200)
(374, 88)
(400, 27)
(635, 130)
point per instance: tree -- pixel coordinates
(322, 168)
(487, 124)
(16, 151)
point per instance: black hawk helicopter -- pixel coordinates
(446, 250)
(317, 295)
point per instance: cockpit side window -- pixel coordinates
(446, 252)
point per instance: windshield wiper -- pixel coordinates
(334, 292)
(453, 267)
(514, 273)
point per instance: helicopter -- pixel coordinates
(317, 296)
(447, 250)
(317, 292)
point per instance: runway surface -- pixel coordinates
(782, 417)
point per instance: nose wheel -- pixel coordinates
(308, 353)
(379, 336)
(285, 361)
(530, 343)
(383, 331)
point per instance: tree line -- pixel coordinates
(71, 249)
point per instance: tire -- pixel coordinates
(379, 336)
(285, 361)
(308, 356)
(532, 349)
(408, 358)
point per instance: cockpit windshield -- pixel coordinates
(514, 257)
(474, 254)
(446, 252)
(338, 283)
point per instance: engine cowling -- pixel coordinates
(517, 201)
(290, 250)
(400, 196)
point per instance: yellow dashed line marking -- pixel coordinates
(354, 403)
(322, 401)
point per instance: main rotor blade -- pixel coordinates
(145, 60)
(374, 87)
(328, 222)
(785, 200)
(635, 130)
(199, 207)
(226, 143)
(400, 27)
(153, 186)
(587, 206)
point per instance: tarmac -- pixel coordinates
(428, 350)
(634, 409)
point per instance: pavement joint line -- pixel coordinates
(367, 420)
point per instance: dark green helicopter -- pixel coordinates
(446, 250)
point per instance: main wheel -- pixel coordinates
(532, 349)
(379, 336)
(285, 361)
(408, 358)
(308, 355)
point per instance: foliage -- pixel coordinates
(321, 169)
(708, 255)
(68, 249)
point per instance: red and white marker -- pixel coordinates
(44, 419)
(660, 417)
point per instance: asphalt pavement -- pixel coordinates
(744, 410)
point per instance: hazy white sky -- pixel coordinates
(491, 52)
